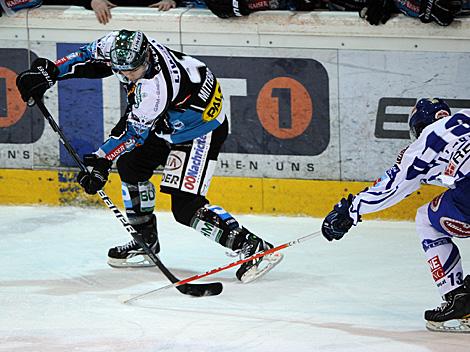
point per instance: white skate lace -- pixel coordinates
(233, 253)
(128, 245)
(444, 305)
(241, 253)
(245, 251)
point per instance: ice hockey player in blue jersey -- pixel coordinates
(175, 118)
(440, 155)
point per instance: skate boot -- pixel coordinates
(256, 268)
(131, 255)
(454, 314)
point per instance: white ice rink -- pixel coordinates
(366, 292)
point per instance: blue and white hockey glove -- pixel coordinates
(338, 221)
(97, 175)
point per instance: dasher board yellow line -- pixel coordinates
(241, 195)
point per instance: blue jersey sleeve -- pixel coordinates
(131, 138)
(89, 61)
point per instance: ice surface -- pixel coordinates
(366, 292)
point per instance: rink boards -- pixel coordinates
(316, 101)
(240, 195)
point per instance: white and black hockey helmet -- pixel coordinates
(129, 50)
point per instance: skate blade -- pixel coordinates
(269, 262)
(139, 261)
(454, 326)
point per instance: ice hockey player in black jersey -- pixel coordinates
(175, 118)
(440, 155)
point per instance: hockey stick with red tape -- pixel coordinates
(197, 290)
(228, 266)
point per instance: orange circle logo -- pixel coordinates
(290, 119)
(15, 105)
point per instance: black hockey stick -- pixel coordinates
(197, 290)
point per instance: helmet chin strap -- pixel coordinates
(121, 77)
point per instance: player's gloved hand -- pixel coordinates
(338, 221)
(440, 11)
(378, 11)
(97, 175)
(162, 126)
(34, 82)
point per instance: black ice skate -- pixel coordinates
(454, 314)
(131, 255)
(254, 269)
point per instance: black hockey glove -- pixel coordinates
(440, 11)
(97, 175)
(228, 8)
(338, 221)
(34, 82)
(378, 11)
(162, 126)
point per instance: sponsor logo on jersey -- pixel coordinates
(138, 95)
(171, 176)
(173, 67)
(98, 46)
(196, 164)
(436, 268)
(428, 244)
(69, 57)
(455, 228)
(400, 156)
(177, 124)
(206, 89)
(170, 180)
(434, 205)
(113, 154)
(215, 105)
(173, 162)
(450, 169)
(458, 157)
(130, 143)
(392, 172)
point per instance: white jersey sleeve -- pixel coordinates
(426, 160)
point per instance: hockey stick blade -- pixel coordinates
(228, 266)
(196, 290)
